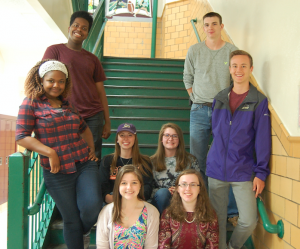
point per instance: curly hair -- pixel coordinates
(203, 212)
(183, 158)
(33, 83)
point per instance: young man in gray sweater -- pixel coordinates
(205, 74)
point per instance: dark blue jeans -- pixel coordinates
(78, 198)
(161, 199)
(95, 123)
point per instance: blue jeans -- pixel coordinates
(200, 131)
(95, 123)
(161, 199)
(246, 203)
(78, 198)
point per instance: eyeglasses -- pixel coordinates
(185, 185)
(170, 136)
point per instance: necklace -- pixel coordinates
(189, 221)
(127, 161)
(58, 105)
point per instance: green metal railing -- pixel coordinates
(30, 207)
(268, 226)
(193, 21)
(95, 41)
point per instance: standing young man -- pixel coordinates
(242, 146)
(87, 74)
(205, 74)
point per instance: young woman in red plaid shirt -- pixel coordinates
(66, 148)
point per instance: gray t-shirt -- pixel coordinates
(167, 178)
(207, 71)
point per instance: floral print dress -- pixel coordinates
(132, 237)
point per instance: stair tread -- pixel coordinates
(151, 118)
(150, 107)
(138, 58)
(141, 71)
(147, 87)
(145, 96)
(142, 64)
(144, 79)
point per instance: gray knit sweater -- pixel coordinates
(207, 71)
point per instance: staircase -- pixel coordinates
(147, 93)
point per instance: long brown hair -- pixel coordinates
(117, 198)
(139, 160)
(182, 156)
(203, 209)
(33, 83)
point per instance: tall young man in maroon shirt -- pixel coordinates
(87, 74)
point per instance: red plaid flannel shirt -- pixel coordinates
(58, 129)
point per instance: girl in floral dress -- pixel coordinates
(128, 222)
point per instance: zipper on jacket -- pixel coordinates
(227, 146)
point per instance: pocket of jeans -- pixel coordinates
(196, 107)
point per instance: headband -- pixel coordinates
(52, 65)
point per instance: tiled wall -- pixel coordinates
(127, 39)
(7, 147)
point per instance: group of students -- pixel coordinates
(127, 179)
(145, 202)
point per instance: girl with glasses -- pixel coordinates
(129, 222)
(126, 152)
(189, 221)
(169, 160)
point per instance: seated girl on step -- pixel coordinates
(126, 152)
(168, 162)
(128, 222)
(189, 221)
(65, 145)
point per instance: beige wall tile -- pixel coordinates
(285, 189)
(293, 168)
(277, 148)
(295, 236)
(291, 212)
(276, 204)
(296, 192)
(287, 231)
(280, 165)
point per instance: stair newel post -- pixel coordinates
(18, 200)
(154, 24)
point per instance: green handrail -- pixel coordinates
(193, 21)
(95, 49)
(35, 208)
(269, 227)
(154, 24)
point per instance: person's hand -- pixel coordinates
(106, 131)
(92, 155)
(258, 186)
(54, 162)
(172, 189)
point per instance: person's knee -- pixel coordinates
(248, 223)
(162, 194)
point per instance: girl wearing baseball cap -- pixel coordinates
(126, 152)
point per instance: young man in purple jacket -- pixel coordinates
(241, 146)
